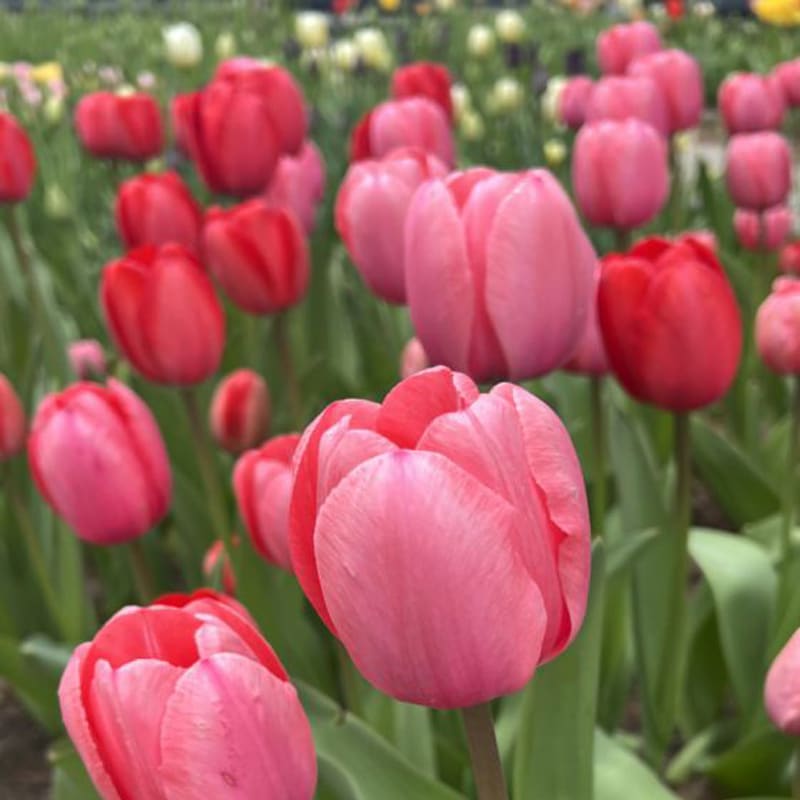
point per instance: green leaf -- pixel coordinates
(413, 736)
(620, 775)
(357, 764)
(553, 756)
(623, 553)
(70, 779)
(743, 586)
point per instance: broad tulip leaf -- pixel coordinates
(35, 685)
(70, 779)
(758, 764)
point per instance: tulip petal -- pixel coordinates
(426, 588)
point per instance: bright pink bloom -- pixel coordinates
(413, 359)
(414, 122)
(453, 597)
(262, 482)
(750, 102)
(13, 425)
(620, 173)
(782, 689)
(184, 700)
(371, 210)
(259, 255)
(763, 230)
(498, 272)
(87, 359)
(778, 328)
(573, 101)
(590, 356)
(240, 411)
(680, 81)
(157, 209)
(98, 458)
(790, 258)
(620, 98)
(424, 79)
(298, 184)
(17, 161)
(758, 169)
(788, 75)
(621, 44)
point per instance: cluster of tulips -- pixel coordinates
(443, 535)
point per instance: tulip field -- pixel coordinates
(399, 400)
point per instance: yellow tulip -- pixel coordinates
(48, 72)
(390, 5)
(785, 13)
(555, 151)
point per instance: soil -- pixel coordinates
(24, 771)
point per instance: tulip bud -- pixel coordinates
(472, 127)
(87, 359)
(225, 46)
(164, 702)
(510, 26)
(12, 421)
(259, 255)
(100, 442)
(765, 230)
(507, 95)
(424, 79)
(780, 689)
(57, 205)
(376, 551)
(620, 173)
(620, 45)
(240, 411)
(621, 98)
(790, 259)
(373, 48)
(555, 152)
(749, 102)
(156, 210)
(758, 170)
(311, 29)
(345, 55)
(217, 567)
(480, 41)
(573, 101)
(17, 161)
(788, 76)
(183, 45)
(163, 314)
(413, 359)
(778, 328)
(262, 482)
(460, 99)
(670, 322)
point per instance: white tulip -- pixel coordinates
(510, 26)
(311, 28)
(480, 41)
(183, 45)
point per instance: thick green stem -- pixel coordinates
(598, 422)
(56, 354)
(788, 503)
(142, 574)
(487, 769)
(292, 386)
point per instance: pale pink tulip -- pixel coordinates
(573, 101)
(87, 359)
(298, 183)
(782, 689)
(414, 359)
(750, 102)
(620, 98)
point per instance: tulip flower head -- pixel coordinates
(17, 161)
(778, 328)
(13, 426)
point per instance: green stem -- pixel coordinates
(287, 367)
(623, 238)
(599, 452)
(792, 448)
(208, 473)
(142, 574)
(56, 354)
(348, 680)
(487, 769)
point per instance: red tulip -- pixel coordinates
(185, 699)
(371, 210)
(750, 102)
(259, 256)
(87, 359)
(790, 258)
(447, 598)
(158, 209)
(99, 461)
(763, 230)
(619, 98)
(424, 79)
(120, 126)
(262, 482)
(680, 81)
(778, 328)
(217, 561)
(670, 323)
(13, 426)
(413, 359)
(163, 314)
(414, 122)
(590, 356)
(620, 45)
(620, 173)
(240, 411)
(181, 111)
(17, 161)
(758, 170)
(298, 183)
(498, 273)
(573, 101)
(788, 76)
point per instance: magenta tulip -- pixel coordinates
(573, 101)
(620, 45)
(778, 328)
(763, 230)
(758, 169)
(750, 102)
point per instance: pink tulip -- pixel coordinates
(498, 272)
(750, 102)
(184, 700)
(87, 359)
(590, 356)
(778, 328)
(13, 425)
(573, 101)
(758, 169)
(680, 81)
(620, 45)
(98, 459)
(782, 689)
(240, 411)
(298, 183)
(619, 98)
(766, 230)
(371, 211)
(414, 122)
(620, 173)
(413, 359)
(262, 482)
(217, 565)
(788, 76)
(790, 258)
(447, 598)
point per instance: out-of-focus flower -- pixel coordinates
(390, 5)
(344, 55)
(472, 126)
(480, 41)
(146, 81)
(552, 95)
(311, 29)
(413, 358)
(790, 258)
(183, 45)
(56, 204)
(298, 183)
(445, 5)
(87, 359)
(703, 9)
(13, 425)
(53, 109)
(510, 26)
(763, 231)
(555, 151)
(373, 48)
(460, 98)
(506, 95)
(47, 72)
(225, 46)
(784, 13)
